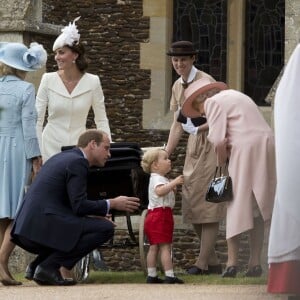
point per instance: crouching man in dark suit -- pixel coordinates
(56, 220)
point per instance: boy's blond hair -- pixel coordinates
(149, 157)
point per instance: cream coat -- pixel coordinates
(67, 113)
(238, 131)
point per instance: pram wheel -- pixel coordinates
(81, 269)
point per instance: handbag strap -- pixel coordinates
(220, 169)
(216, 172)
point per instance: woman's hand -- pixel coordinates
(36, 165)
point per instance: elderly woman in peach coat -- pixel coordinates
(239, 134)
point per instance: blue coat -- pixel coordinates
(18, 141)
(56, 203)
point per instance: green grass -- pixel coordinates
(139, 277)
(118, 277)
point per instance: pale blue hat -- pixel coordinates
(18, 56)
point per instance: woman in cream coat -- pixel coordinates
(67, 112)
(68, 94)
(239, 133)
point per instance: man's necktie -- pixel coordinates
(185, 84)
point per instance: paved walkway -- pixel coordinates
(137, 292)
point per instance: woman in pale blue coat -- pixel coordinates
(19, 149)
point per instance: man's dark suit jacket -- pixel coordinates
(54, 206)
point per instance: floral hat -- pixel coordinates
(18, 56)
(69, 36)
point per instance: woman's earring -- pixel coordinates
(74, 61)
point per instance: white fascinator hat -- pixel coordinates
(18, 56)
(69, 36)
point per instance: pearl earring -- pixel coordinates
(73, 61)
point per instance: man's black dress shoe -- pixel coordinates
(255, 271)
(44, 276)
(230, 272)
(29, 272)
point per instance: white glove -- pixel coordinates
(189, 127)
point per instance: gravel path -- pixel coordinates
(137, 292)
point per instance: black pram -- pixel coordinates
(121, 175)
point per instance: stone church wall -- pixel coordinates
(112, 31)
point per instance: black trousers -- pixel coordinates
(95, 233)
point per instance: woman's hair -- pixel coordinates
(149, 157)
(90, 135)
(7, 70)
(81, 60)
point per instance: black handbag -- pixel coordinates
(220, 188)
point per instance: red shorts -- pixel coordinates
(159, 225)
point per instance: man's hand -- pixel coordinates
(125, 203)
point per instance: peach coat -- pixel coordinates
(238, 131)
(198, 170)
